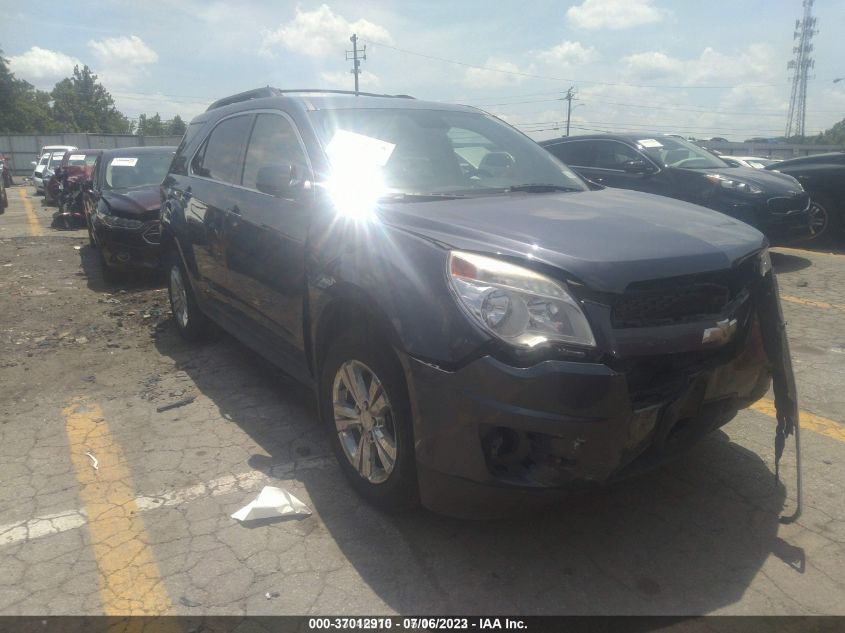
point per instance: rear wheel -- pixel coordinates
(191, 323)
(364, 404)
(110, 273)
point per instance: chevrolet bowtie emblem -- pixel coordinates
(722, 333)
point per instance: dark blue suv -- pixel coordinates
(477, 321)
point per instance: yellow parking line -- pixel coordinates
(813, 304)
(129, 578)
(806, 253)
(809, 421)
(34, 226)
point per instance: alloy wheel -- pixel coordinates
(364, 421)
(818, 219)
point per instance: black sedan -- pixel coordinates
(123, 207)
(823, 177)
(669, 166)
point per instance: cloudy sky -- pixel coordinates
(715, 68)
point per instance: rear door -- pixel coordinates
(266, 235)
(215, 178)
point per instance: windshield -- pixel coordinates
(438, 151)
(123, 172)
(676, 152)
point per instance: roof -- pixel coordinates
(319, 99)
(137, 151)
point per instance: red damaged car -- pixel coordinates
(66, 186)
(123, 208)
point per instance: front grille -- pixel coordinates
(785, 204)
(679, 300)
(667, 307)
(152, 235)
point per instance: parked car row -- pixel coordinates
(478, 321)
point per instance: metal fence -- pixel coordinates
(22, 149)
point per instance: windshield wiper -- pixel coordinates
(541, 188)
(419, 197)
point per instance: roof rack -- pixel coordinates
(267, 91)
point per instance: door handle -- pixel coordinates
(235, 210)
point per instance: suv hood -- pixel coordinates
(136, 203)
(771, 182)
(606, 239)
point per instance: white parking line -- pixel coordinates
(246, 481)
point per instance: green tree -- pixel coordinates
(150, 125)
(177, 126)
(82, 104)
(23, 109)
(834, 136)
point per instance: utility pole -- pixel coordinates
(356, 61)
(570, 94)
(805, 29)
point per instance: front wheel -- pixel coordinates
(191, 323)
(364, 404)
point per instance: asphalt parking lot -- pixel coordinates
(84, 367)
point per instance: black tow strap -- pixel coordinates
(773, 330)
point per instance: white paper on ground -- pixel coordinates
(270, 503)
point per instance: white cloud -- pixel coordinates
(489, 77)
(756, 64)
(320, 33)
(121, 61)
(42, 66)
(343, 80)
(567, 54)
(120, 51)
(613, 14)
(652, 64)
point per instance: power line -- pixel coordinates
(566, 79)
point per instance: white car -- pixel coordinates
(748, 161)
(46, 153)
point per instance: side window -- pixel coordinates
(273, 143)
(220, 157)
(180, 161)
(614, 155)
(577, 153)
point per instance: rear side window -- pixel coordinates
(180, 161)
(578, 153)
(221, 156)
(273, 143)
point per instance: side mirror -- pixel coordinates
(637, 167)
(275, 180)
(34, 163)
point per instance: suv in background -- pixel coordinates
(477, 322)
(823, 177)
(670, 166)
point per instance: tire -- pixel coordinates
(110, 274)
(191, 323)
(828, 221)
(373, 434)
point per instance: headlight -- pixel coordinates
(734, 185)
(117, 222)
(764, 262)
(515, 304)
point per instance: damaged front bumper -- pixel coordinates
(492, 435)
